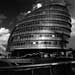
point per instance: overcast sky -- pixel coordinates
(10, 8)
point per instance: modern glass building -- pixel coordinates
(46, 27)
(39, 39)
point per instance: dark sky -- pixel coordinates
(12, 7)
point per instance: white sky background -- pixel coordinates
(73, 27)
(4, 34)
(72, 38)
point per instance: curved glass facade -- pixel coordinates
(47, 27)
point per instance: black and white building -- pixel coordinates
(40, 39)
(46, 26)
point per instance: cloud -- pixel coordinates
(4, 36)
(4, 31)
(73, 27)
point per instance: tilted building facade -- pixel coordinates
(36, 41)
(46, 26)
